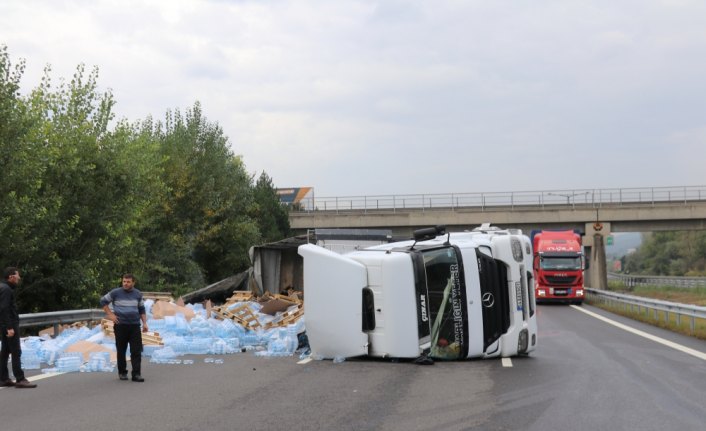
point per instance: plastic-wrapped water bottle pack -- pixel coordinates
(200, 335)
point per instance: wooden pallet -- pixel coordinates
(148, 338)
(107, 326)
(293, 316)
(152, 339)
(243, 315)
(216, 312)
(240, 296)
(287, 318)
(221, 312)
(286, 298)
(165, 296)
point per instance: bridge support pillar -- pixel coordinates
(594, 242)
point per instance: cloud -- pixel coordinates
(360, 97)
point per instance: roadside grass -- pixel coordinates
(682, 295)
(694, 327)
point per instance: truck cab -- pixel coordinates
(443, 295)
(558, 267)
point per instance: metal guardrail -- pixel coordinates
(630, 302)
(56, 318)
(630, 281)
(592, 198)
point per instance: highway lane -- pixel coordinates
(586, 374)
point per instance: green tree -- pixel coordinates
(27, 216)
(85, 198)
(271, 215)
(670, 253)
(94, 178)
(75, 195)
(209, 195)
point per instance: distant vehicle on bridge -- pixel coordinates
(442, 295)
(558, 266)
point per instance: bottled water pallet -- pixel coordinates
(244, 316)
(287, 318)
(148, 338)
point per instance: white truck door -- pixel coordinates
(333, 301)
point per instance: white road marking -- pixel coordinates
(654, 338)
(37, 377)
(43, 376)
(507, 362)
(305, 361)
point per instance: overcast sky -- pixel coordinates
(393, 97)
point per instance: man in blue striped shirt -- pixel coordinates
(127, 311)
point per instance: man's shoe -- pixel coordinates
(137, 378)
(122, 376)
(7, 383)
(24, 383)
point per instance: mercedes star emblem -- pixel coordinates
(488, 300)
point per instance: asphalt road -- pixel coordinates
(586, 375)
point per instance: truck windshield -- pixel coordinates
(568, 263)
(446, 302)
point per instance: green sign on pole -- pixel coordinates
(609, 240)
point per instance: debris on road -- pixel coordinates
(270, 325)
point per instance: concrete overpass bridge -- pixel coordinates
(595, 212)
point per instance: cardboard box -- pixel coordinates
(87, 347)
(163, 308)
(272, 306)
(50, 331)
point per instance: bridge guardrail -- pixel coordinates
(630, 281)
(692, 312)
(592, 198)
(56, 318)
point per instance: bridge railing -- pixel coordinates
(594, 198)
(641, 305)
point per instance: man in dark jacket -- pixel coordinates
(10, 331)
(128, 309)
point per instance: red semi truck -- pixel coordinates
(558, 266)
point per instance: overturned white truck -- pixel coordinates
(442, 295)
